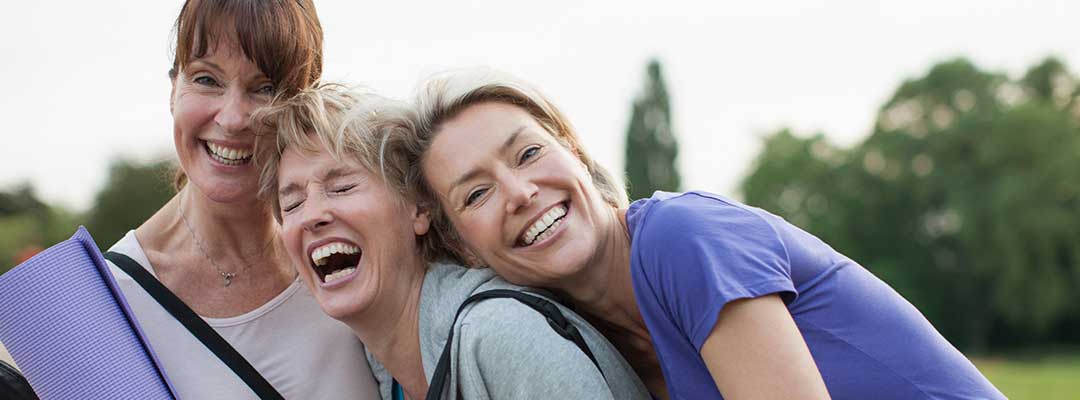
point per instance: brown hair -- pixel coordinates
(352, 124)
(282, 37)
(448, 94)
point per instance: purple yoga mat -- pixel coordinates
(66, 324)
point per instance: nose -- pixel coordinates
(315, 215)
(235, 113)
(520, 192)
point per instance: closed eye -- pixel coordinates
(291, 206)
(343, 189)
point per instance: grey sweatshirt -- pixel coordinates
(503, 349)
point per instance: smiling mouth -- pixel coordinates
(227, 155)
(545, 226)
(336, 260)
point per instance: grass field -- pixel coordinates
(1044, 377)
(1054, 376)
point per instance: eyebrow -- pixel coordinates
(473, 173)
(208, 63)
(289, 189)
(258, 74)
(337, 172)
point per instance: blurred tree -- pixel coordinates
(19, 200)
(651, 149)
(27, 223)
(132, 193)
(964, 198)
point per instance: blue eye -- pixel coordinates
(528, 154)
(266, 90)
(475, 195)
(205, 80)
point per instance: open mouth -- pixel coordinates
(227, 155)
(545, 226)
(333, 261)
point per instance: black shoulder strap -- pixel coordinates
(196, 325)
(559, 323)
(14, 386)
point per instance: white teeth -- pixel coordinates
(228, 155)
(549, 232)
(341, 273)
(320, 255)
(544, 226)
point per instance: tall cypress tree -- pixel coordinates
(651, 148)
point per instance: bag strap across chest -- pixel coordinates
(197, 326)
(559, 323)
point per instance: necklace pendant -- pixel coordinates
(228, 278)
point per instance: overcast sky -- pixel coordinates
(85, 82)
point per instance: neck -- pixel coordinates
(246, 229)
(604, 288)
(389, 328)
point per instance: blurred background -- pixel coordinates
(936, 143)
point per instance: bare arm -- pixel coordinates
(755, 351)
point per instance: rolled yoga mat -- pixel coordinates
(66, 324)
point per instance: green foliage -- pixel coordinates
(651, 149)
(1036, 378)
(964, 198)
(20, 200)
(27, 223)
(131, 195)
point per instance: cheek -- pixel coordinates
(189, 112)
(290, 236)
(471, 234)
(355, 212)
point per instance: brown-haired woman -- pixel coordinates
(214, 245)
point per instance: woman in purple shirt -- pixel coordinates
(705, 296)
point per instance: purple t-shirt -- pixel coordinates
(693, 252)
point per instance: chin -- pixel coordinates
(341, 308)
(226, 190)
(344, 302)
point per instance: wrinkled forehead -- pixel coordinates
(303, 163)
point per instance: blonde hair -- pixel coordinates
(352, 124)
(446, 95)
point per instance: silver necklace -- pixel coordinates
(226, 276)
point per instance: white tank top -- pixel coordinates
(289, 340)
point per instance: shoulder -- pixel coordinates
(446, 286)
(498, 318)
(511, 351)
(129, 246)
(442, 278)
(673, 223)
(496, 328)
(692, 253)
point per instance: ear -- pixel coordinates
(421, 220)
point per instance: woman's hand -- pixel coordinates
(755, 351)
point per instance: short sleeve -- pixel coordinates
(695, 253)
